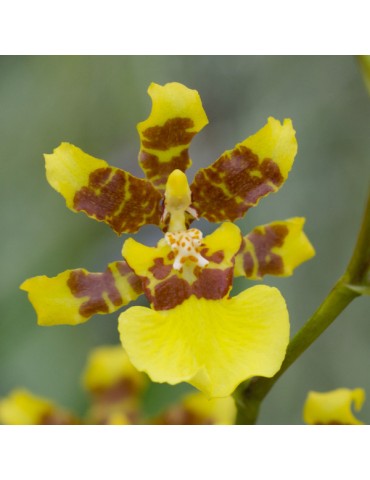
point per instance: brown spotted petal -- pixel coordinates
(166, 287)
(177, 116)
(104, 193)
(72, 297)
(275, 249)
(241, 177)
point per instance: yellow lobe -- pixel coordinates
(212, 344)
(196, 409)
(56, 303)
(277, 141)
(107, 366)
(174, 100)
(333, 407)
(177, 115)
(218, 411)
(118, 418)
(23, 408)
(53, 301)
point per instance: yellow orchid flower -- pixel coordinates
(224, 191)
(21, 407)
(196, 409)
(115, 386)
(334, 407)
(109, 371)
(194, 331)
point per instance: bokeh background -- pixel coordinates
(95, 102)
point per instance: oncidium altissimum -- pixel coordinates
(193, 331)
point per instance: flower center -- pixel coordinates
(185, 246)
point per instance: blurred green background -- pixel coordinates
(95, 102)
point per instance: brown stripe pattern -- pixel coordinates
(235, 182)
(104, 293)
(121, 200)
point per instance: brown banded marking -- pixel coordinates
(215, 257)
(157, 171)
(58, 417)
(165, 148)
(99, 287)
(235, 182)
(166, 288)
(256, 257)
(121, 200)
(248, 264)
(122, 389)
(159, 270)
(172, 133)
(264, 240)
(207, 274)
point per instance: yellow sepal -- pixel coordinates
(174, 100)
(68, 169)
(334, 407)
(177, 115)
(277, 141)
(242, 176)
(107, 194)
(53, 301)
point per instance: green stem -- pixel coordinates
(358, 270)
(249, 398)
(250, 394)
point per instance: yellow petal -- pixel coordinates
(109, 366)
(197, 409)
(177, 116)
(276, 249)
(334, 407)
(242, 176)
(23, 408)
(218, 411)
(212, 344)
(104, 193)
(167, 287)
(73, 296)
(118, 418)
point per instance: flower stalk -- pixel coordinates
(354, 282)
